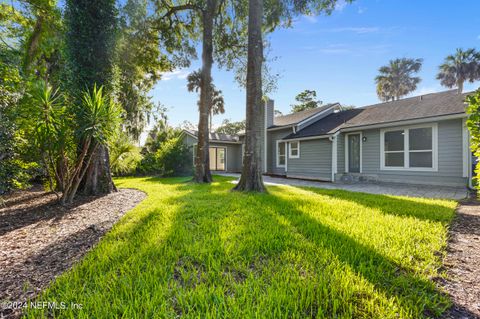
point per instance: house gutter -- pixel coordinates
(404, 122)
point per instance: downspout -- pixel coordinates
(334, 141)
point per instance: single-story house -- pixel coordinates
(418, 140)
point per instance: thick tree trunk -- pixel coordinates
(98, 179)
(251, 179)
(202, 167)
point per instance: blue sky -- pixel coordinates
(339, 55)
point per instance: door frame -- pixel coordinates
(347, 150)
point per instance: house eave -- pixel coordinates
(306, 138)
(404, 122)
(276, 128)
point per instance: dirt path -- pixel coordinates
(463, 262)
(40, 239)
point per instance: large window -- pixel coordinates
(294, 150)
(412, 148)
(281, 154)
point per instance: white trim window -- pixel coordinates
(413, 148)
(281, 154)
(294, 149)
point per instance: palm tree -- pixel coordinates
(396, 79)
(194, 80)
(251, 178)
(218, 105)
(458, 68)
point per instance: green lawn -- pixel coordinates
(205, 252)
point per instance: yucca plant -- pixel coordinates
(97, 119)
(52, 133)
(58, 132)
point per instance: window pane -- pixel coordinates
(420, 138)
(220, 159)
(394, 159)
(294, 148)
(212, 158)
(421, 159)
(394, 141)
(281, 153)
(281, 148)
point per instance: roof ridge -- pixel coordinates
(308, 110)
(410, 98)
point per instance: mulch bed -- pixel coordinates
(463, 262)
(40, 239)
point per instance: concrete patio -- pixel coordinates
(429, 191)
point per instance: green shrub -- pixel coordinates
(473, 124)
(173, 158)
(11, 174)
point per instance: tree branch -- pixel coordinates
(175, 9)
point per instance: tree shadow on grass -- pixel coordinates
(386, 275)
(180, 271)
(393, 205)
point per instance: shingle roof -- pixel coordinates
(294, 118)
(325, 125)
(429, 105)
(217, 136)
(418, 107)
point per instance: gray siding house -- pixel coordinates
(417, 140)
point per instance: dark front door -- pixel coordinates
(354, 153)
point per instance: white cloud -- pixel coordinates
(175, 75)
(311, 19)
(362, 50)
(335, 49)
(340, 5)
(358, 30)
(361, 10)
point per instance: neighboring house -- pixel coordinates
(418, 140)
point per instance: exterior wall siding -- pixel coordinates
(272, 138)
(450, 158)
(315, 161)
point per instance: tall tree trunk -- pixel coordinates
(251, 179)
(98, 179)
(202, 167)
(460, 86)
